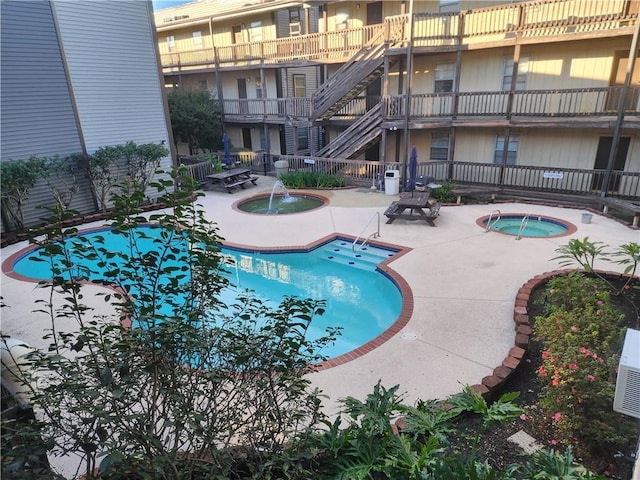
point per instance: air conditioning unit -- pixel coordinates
(627, 397)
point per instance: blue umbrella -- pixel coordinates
(225, 143)
(413, 169)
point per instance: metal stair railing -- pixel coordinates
(489, 224)
(357, 247)
(523, 225)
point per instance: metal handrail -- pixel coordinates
(489, 224)
(375, 234)
(230, 260)
(523, 225)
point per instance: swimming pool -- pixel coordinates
(526, 225)
(359, 298)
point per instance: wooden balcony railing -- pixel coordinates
(574, 102)
(540, 19)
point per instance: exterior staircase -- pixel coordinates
(357, 138)
(353, 77)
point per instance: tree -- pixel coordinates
(17, 179)
(104, 169)
(196, 119)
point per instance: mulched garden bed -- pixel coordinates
(494, 445)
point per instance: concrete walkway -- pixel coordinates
(464, 283)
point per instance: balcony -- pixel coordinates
(535, 22)
(569, 107)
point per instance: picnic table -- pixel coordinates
(232, 178)
(420, 205)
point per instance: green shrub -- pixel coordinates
(443, 193)
(312, 180)
(581, 337)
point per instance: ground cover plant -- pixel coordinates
(157, 390)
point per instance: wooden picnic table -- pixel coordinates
(229, 179)
(420, 205)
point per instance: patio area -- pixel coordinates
(463, 284)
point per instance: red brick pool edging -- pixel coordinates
(491, 384)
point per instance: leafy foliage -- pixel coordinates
(581, 336)
(312, 180)
(17, 179)
(196, 119)
(173, 382)
(444, 193)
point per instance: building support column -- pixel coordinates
(633, 54)
(407, 103)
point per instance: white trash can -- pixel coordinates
(391, 182)
(282, 166)
(586, 217)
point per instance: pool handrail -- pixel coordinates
(489, 224)
(354, 246)
(523, 225)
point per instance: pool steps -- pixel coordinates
(341, 251)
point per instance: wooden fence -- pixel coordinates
(519, 177)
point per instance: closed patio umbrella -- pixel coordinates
(413, 169)
(227, 154)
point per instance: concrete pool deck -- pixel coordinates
(463, 282)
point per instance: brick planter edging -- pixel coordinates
(523, 331)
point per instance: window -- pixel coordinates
(303, 139)
(258, 88)
(512, 152)
(342, 18)
(197, 40)
(447, 6)
(299, 86)
(521, 78)
(444, 75)
(295, 24)
(255, 32)
(171, 43)
(439, 149)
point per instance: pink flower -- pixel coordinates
(555, 382)
(523, 417)
(545, 354)
(542, 371)
(575, 329)
(599, 303)
(554, 442)
(551, 291)
(573, 366)
(591, 378)
(556, 417)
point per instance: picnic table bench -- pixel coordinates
(230, 179)
(420, 206)
(473, 191)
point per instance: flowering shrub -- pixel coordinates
(581, 337)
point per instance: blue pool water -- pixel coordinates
(535, 226)
(360, 299)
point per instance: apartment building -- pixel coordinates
(541, 94)
(77, 76)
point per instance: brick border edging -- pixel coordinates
(494, 382)
(523, 331)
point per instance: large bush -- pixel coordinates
(172, 383)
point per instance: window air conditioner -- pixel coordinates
(627, 396)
